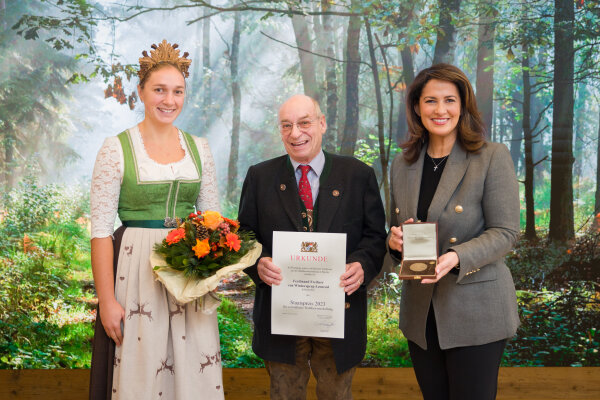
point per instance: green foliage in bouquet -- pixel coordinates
(204, 243)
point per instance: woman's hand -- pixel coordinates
(445, 263)
(111, 311)
(112, 314)
(395, 241)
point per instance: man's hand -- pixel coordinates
(269, 272)
(445, 263)
(395, 242)
(352, 278)
(112, 314)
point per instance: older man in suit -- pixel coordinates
(311, 190)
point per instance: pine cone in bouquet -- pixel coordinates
(202, 232)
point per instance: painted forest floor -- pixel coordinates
(240, 289)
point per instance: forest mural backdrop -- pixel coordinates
(67, 81)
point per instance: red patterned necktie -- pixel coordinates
(304, 187)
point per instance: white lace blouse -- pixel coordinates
(108, 176)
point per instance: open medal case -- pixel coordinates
(419, 250)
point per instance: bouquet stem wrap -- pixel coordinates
(185, 289)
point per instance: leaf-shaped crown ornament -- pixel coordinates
(164, 53)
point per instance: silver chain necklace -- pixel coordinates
(435, 166)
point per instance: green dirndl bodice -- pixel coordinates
(155, 204)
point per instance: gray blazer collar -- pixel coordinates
(455, 169)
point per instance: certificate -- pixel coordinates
(309, 300)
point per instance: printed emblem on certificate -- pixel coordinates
(309, 300)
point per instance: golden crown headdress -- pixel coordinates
(164, 53)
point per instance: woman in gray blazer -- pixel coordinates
(457, 324)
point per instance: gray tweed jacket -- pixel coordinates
(478, 305)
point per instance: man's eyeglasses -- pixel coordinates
(286, 127)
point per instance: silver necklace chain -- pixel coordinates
(435, 166)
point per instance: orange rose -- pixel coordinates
(233, 241)
(201, 248)
(175, 235)
(212, 219)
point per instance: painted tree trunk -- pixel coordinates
(538, 150)
(516, 139)
(499, 131)
(236, 95)
(530, 233)
(196, 67)
(318, 45)
(3, 24)
(352, 68)
(485, 67)
(446, 40)
(408, 76)
(206, 69)
(561, 192)
(340, 51)
(579, 134)
(307, 64)
(9, 151)
(597, 197)
(383, 156)
(330, 78)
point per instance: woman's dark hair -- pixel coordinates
(471, 131)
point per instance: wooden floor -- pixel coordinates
(369, 383)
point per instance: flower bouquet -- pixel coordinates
(203, 249)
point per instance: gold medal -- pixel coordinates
(418, 267)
